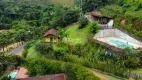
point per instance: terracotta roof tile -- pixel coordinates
(22, 73)
(50, 32)
(47, 77)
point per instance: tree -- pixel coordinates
(112, 11)
(59, 53)
(44, 48)
(121, 2)
(94, 27)
(5, 39)
(89, 5)
(83, 21)
(22, 24)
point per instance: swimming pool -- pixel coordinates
(121, 43)
(13, 75)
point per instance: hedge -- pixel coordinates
(39, 67)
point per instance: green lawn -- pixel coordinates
(75, 35)
(34, 54)
(107, 77)
(139, 71)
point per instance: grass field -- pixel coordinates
(34, 54)
(77, 36)
(139, 71)
(66, 3)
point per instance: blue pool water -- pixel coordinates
(13, 75)
(120, 43)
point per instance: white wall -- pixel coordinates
(116, 33)
(110, 24)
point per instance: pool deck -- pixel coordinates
(106, 40)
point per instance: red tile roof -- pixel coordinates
(50, 32)
(47, 77)
(22, 73)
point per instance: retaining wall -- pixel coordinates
(117, 34)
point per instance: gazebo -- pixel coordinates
(51, 35)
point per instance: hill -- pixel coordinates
(66, 3)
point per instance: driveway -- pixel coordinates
(18, 50)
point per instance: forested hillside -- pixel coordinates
(33, 11)
(24, 20)
(59, 36)
(128, 10)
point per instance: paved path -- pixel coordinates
(18, 50)
(103, 76)
(99, 75)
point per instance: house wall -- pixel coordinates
(47, 39)
(110, 24)
(55, 39)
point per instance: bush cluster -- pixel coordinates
(83, 21)
(4, 78)
(24, 53)
(44, 47)
(94, 27)
(29, 44)
(39, 67)
(100, 65)
(132, 30)
(9, 62)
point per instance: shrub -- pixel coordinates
(140, 6)
(94, 28)
(59, 52)
(9, 61)
(10, 48)
(43, 67)
(44, 47)
(5, 78)
(24, 53)
(132, 63)
(82, 22)
(77, 60)
(100, 65)
(29, 44)
(121, 2)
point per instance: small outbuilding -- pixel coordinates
(104, 22)
(51, 35)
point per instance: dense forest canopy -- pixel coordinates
(35, 14)
(27, 19)
(39, 13)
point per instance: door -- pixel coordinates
(51, 39)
